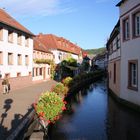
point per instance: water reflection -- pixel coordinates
(124, 124)
(93, 115)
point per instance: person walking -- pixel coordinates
(6, 86)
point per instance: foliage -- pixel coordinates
(50, 106)
(85, 65)
(95, 51)
(64, 66)
(67, 81)
(72, 62)
(53, 66)
(96, 75)
(43, 61)
(60, 89)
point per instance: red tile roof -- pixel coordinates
(6, 19)
(40, 46)
(60, 43)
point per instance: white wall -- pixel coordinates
(74, 56)
(16, 49)
(128, 5)
(57, 52)
(115, 54)
(130, 50)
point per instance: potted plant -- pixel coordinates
(49, 108)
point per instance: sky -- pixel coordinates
(88, 23)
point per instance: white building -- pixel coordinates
(130, 50)
(60, 47)
(100, 61)
(114, 59)
(41, 61)
(16, 48)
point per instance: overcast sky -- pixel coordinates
(85, 22)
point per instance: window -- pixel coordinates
(1, 58)
(19, 39)
(117, 43)
(10, 36)
(48, 71)
(26, 60)
(114, 73)
(18, 74)
(33, 72)
(133, 75)
(136, 23)
(10, 58)
(19, 59)
(1, 33)
(27, 41)
(126, 30)
(36, 71)
(7, 75)
(111, 48)
(30, 73)
(40, 71)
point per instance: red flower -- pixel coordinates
(41, 114)
(63, 108)
(48, 121)
(65, 102)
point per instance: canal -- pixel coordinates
(93, 115)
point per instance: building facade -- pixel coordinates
(114, 60)
(16, 47)
(42, 59)
(100, 61)
(60, 47)
(130, 57)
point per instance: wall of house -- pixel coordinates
(7, 47)
(24, 70)
(75, 56)
(61, 55)
(41, 71)
(42, 55)
(115, 87)
(129, 51)
(128, 5)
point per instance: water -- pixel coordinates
(93, 115)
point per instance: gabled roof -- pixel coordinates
(40, 46)
(122, 1)
(59, 43)
(114, 32)
(6, 19)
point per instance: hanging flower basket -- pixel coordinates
(49, 107)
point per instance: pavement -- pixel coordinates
(16, 104)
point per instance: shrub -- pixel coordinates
(67, 81)
(60, 89)
(49, 107)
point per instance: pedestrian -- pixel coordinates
(6, 86)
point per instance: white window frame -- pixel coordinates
(126, 30)
(10, 58)
(133, 74)
(19, 59)
(137, 24)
